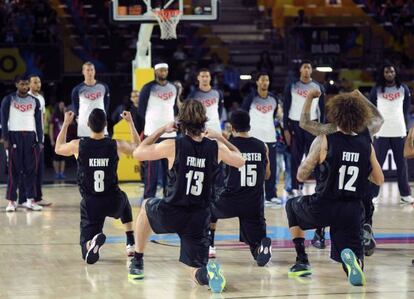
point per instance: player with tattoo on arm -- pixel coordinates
(343, 162)
(316, 128)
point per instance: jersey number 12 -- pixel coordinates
(194, 182)
(353, 171)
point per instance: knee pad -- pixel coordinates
(290, 213)
(127, 214)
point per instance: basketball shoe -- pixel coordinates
(92, 256)
(264, 252)
(136, 269)
(356, 276)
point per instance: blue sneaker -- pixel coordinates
(216, 280)
(356, 276)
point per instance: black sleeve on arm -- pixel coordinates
(107, 98)
(75, 100)
(176, 101)
(373, 96)
(143, 104)
(247, 102)
(406, 105)
(5, 111)
(220, 103)
(287, 102)
(38, 122)
(321, 104)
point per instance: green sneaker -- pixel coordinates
(356, 276)
(136, 269)
(300, 269)
(216, 280)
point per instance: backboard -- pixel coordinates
(142, 10)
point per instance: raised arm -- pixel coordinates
(148, 150)
(314, 127)
(377, 120)
(126, 147)
(62, 147)
(319, 146)
(228, 153)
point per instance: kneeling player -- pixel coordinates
(97, 158)
(192, 160)
(243, 194)
(344, 161)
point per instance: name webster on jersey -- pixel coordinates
(252, 156)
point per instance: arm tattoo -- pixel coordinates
(312, 159)
(314, 127)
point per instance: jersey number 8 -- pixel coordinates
(98, 176)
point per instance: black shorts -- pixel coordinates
(345, 219)
(191, 225)
(250, 212)
(94, 210)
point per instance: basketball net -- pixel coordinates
(168, 20)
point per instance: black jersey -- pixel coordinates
(246, 182)
(344, 173)
(97, 166)
(191, 178)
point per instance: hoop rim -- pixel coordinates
(167, 13)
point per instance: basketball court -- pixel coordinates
(41, 257)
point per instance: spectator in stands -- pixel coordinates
(265, 63)
(393, 100)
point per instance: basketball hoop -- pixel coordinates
(168, 20)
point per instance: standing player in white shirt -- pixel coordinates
(393, 100)
(88, 95)
(35, 85)
(158, 107)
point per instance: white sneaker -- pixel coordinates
(130, 250)
(11, 207)
(32, 205)
(212, 252)
(406, 199)
(276, 200)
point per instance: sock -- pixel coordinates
(130, 238)
(300, 249)
(212, 232)
(138, 256)
(202, 276)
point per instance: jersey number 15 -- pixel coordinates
(248, 175)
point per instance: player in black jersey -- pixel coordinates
(192, 160)
(97, 158)
(343, 162)
(243, 194)
(316, 128)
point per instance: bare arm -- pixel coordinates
(314, 127)
(51, 129)
(228, 153)
(62, 147)
(268, 172)
(228, 156)
(313, 158)
(376, 176)
(377, 120)
(148, 150)
(126, 147)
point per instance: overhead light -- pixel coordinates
(331, 82)
(324, 69)
(245, 77)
